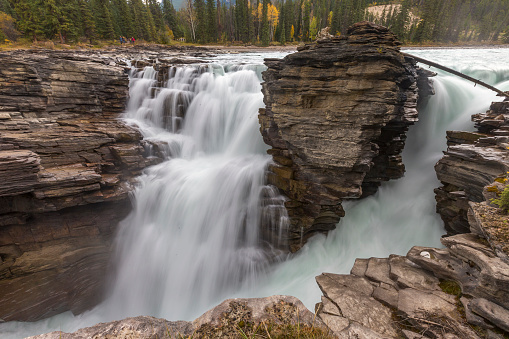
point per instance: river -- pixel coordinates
(192, 239)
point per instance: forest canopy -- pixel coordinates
(251, 21)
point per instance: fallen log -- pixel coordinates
(464, 76)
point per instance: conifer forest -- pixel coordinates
(261, 22)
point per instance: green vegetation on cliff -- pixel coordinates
(251, 21)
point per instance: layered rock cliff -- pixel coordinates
(66, 163)
(471, 164)
(336, 116)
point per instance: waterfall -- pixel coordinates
(193, 234)
(402, 213)
(192, 241)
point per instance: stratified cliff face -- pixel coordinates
(336, 116)
(472, 161)
(65, 168)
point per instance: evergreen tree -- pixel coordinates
(399, 27)
(7, 7)
(265, 23)
(157, 14)
(29, 18)
(123, 18)
(151, 31)
(288, 20)
(306, 21)
(211, 21)
(103, 19)
(170, 18)
(87, 21)
(201, 20)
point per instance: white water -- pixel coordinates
(191, 240)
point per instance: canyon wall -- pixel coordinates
(336, 116)
(470, 166)
(66, 166)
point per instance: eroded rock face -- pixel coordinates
(66, 163)
(336, 116)
(472, 161)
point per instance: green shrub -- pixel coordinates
(503, 201)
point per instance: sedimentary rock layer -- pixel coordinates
(336, 116)
(66, 163)
(471, 163)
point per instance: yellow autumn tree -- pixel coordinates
(273, 16)
(292, 32)
(7, 28)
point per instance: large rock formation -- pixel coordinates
(460, 291)
(336, 116)
(66, 163)
(472, 162)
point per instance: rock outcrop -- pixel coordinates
(66, 163)
(460, 291)
(471, 164)
(233, 318)
(336, 116)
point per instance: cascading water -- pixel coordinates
(192, 239)
(193, 235)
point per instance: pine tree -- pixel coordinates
(170, 18)
(265, 23)
(306, 21)
(399, 27)
(122, 16)
(29, 18)
(7, 7)
(157, 14)
(201, 20)
(288, 20)
(103, 19)
(87, 21)
(211, 21)
(150, 28)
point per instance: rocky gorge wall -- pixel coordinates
(66, 166)
(470, 166)
(336, 116)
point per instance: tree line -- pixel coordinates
(250, 21)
